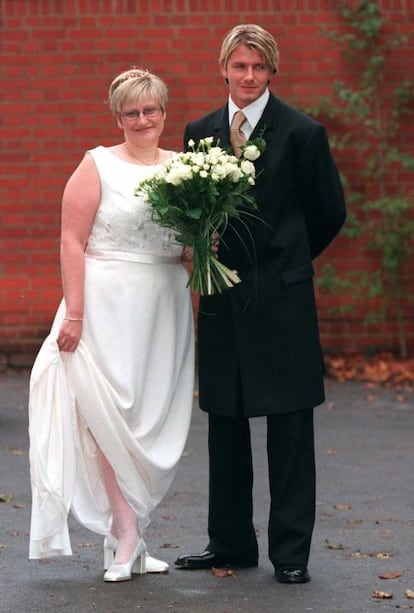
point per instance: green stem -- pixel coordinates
(209, 276)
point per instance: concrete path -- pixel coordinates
(364, 528)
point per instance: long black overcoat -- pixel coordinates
(258, 342)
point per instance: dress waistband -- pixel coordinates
(144, 258)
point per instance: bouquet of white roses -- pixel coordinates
(196, 194)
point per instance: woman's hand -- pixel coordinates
(69, 335)
(216, 243)
(187, 254)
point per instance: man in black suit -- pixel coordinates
(259, 347)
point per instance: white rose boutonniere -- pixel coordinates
(251, 152)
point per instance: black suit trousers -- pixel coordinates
(291, 461)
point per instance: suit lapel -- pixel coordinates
(266, 128)
(221, 128)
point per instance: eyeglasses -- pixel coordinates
(149, 112)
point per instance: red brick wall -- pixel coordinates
(57, 59)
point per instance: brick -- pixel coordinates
(70, 51)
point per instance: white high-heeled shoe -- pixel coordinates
(152, 565)
(136, 564)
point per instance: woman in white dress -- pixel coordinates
(111, 389)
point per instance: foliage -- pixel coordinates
(371, 112)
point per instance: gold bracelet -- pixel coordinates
(73, 318)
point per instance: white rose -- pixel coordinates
(216, 151)
(247, 168)
(178, 174)
(218, 171)
(174, 178)
(213, 158)
(236, 174)
(251, 153)
(159, 174)
(230, 168)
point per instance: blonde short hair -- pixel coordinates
(252, 36)
(134, 84)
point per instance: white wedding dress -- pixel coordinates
(128, 387)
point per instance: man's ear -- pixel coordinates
(269, 81)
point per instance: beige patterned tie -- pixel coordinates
(237, 137)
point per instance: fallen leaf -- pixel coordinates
(19, 506)
(342, 507)
(330, 452)
(381, 555)
(14, 451)
(394, 575)
(382, 595)
(222, 572)
(330, 545)
(171, 517)
(5, 497)
(409, 594)
(389, 534)
(169, 546)
(353, 523)
(86, 545)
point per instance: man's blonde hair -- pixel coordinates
(255, 37)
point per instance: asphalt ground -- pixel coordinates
(364, 528)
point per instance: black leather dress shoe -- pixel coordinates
(208, 559)
(292, 575)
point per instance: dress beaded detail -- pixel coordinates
(128, 387)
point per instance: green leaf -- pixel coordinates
(194, 213)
